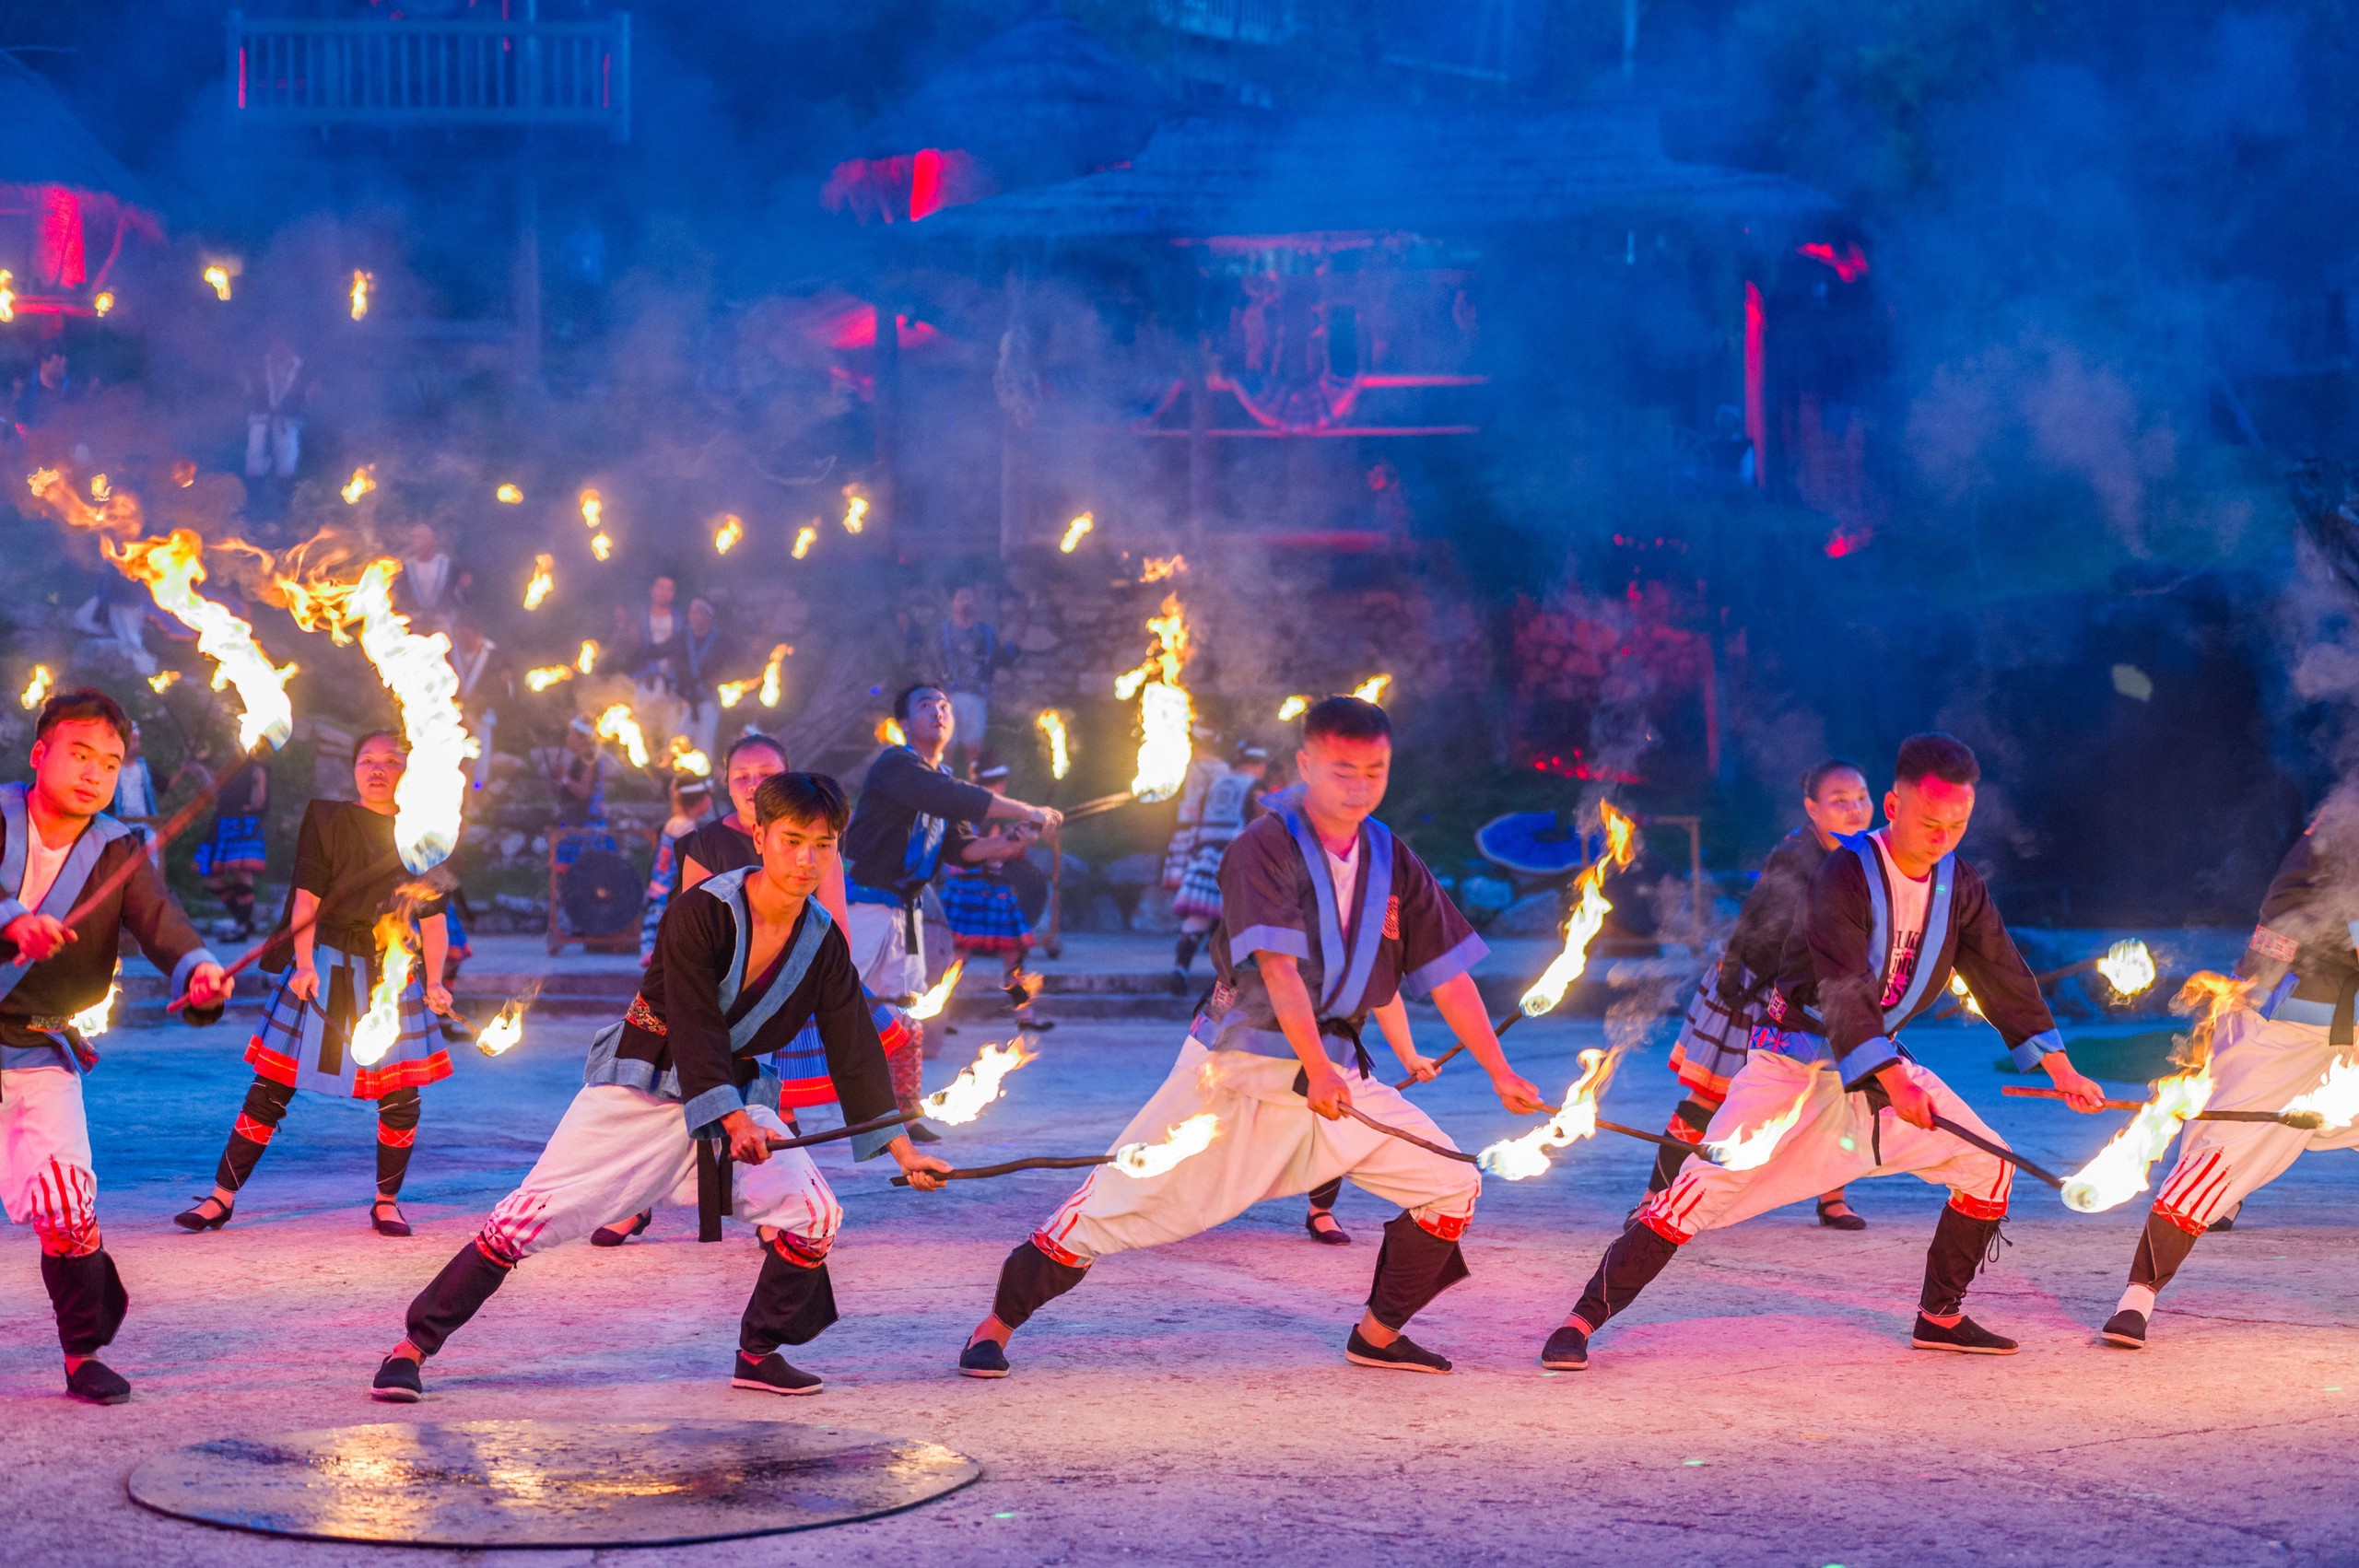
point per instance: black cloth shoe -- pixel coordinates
(1846, 1221)
(1335, 1235)
(921, 1133)
(615, 1236)
(771, 1374)
(2226, 1222)
(200, 1219)
(1966, 1336)
(96, 1382)
(385, 1215)
(398, 1381)
(984, 1358)
(2125, 1330)
(1402, 1354)
(1566, 1350)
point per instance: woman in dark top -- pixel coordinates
(234, 852)
(349, 878)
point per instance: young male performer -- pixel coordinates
(348, 875)
(1327, 916)
(911, 812)
(1720, 1020)
(744, 959)
(1889, 916)
(2288, 1030)
(55, 846)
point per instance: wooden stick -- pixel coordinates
(1036, 1163)
(1501, 1028)
(1386, 1128)
(2307, 1122)
(2000, 1150)
(1101, 805)
(254, 954)
(876, 1124)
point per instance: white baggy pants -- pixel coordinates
(1836, 1140)
(619, 1150)
(1270, 1144)
(888, 966)
(45, 1175)
(2257, 1065)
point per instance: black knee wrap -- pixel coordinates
(2159, 1252)
(1323, 1196)
(1029, 1281)
(265, 1108)
(1693, 1114)
(1629, 1265)
(1413, 1266)
(1962, 1245)
(88, 1296)
(467, 1282)
(791, 1304)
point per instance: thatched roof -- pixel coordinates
(43, 144)
(1448, 169)
(1043, 101)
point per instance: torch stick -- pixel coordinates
(876, 1124)
(2307, 1122)
(1036, 1163)
(1101, 805)
(1999, 1150)
(1501, 1028)
(1390, 1130)
(254, 954)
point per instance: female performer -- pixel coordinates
(348, 877)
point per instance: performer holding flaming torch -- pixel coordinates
(338, 942)
(1890, 915)
(2285, 1045)
(56, 844)
(1327, 917)
(1711, 1047)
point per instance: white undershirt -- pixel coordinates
(1911, 897)
(1345, 874)
(42, 866)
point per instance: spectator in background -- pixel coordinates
(235, 852)
(276, 395)
(577, 774)
(485, 678)
(50, 389)
(967, 654)
(657, 631)
(703, 655)
(426, 578)
(134, 785)
(691, 805)
(113, 623)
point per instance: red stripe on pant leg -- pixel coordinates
(1446, 1227)
(2184, 1175)
(1054, 1252)
(2186, 1181)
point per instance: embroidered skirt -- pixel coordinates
(1199, 891)
(236, 846)
(984, 914)
(308, 1045)
(1712, 1042)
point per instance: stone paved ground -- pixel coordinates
(1190, 1405)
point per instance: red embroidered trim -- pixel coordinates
(252, 1131)
(1393, 919)
(1446, 1227)
(2275, 944)
(1056, 1253)
(396, 1138)
(642, 1016)
(1978, 1208)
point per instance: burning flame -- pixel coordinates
(378, 1028)
(1076, 531)
(890, 733)
(547, 675)
(587, 660)
(363, 480)
(360, 282)
(1052, 724)
(1191, 1137)
(977, 1085)
(804, 537)
(931, 1004)
(1751, 1150)
(2119, 1172)
(163, 681)
(508, 495)
(8, 295)
(1165, 712)
(2335, 1101)
(594, 507)
(1589, 915)
(99, 488)
(726, 537)
(91, 1021)
(1160, 567)
(172, 567)
(103, 303)
(684, 757)
(544, 579)
(1965, 997)
(1294, 707)
(1372, 689)
(2127, 967)
(855, 510)
(418, 670)
(37, 690)
(502, 1032)
(773, 674)
(618, 725)
(734, 692)
(1517, 1159)
(219, 277)
(602, 545)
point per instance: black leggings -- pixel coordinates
(266, 1107)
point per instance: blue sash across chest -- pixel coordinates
(1346, 953)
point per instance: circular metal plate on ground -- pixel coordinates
(548, 1483)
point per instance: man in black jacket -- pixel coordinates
(742, 961)
(1890, 916)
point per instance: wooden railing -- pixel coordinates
(431, 74)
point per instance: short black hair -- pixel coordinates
(746, 742)
(805, 797)
(1826, 770)
(83, 702)
(1347, 719)
(902, 698)
(1943, 756)
(394, 735)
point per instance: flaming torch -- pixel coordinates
(937, 996)
(1165, 711)
(1191, 1137)
(91, 1021)
(1372, 689)
(37, 690)
(1750, 1151)
(587, 660)
(543, 580)
(363, 480)
(774, 675)
(1076, 531)
(855, 510)
(360, 282)
(418, 670)
(547, 675)
(1052, 725)
(2119, 1172)
(601, 546)
(508, 496)
(2127, 967)
(1589, 918)
(618, 725)
(734, 692)
(503, 1032)
(1294, 707)
(726, 537)
(163, 681)
(804, 537)
(216, 275)
(1517, 1159)
(977, 1085)
(593, 509)
(377, 1029)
